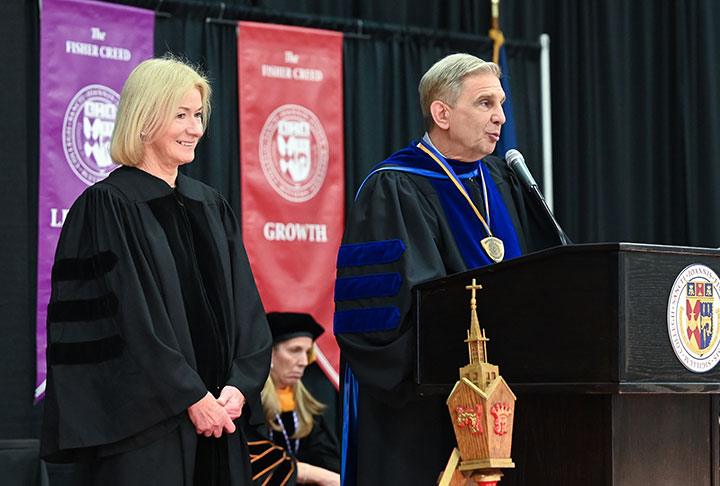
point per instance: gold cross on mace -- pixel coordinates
(475, 286)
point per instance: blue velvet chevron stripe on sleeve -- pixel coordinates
(367, 286)
(370, 253)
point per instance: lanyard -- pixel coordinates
(453, 177)
(294, 450)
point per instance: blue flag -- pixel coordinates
(508, 139)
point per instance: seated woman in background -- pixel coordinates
(294, 418)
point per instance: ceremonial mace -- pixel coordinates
(482, 409)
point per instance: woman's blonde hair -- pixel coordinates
(306, 407)
(443, 81)
(149, 98)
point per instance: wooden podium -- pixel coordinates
(581, 335)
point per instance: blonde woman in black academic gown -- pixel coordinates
(157, 339)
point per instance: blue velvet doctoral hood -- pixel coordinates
(464, 223)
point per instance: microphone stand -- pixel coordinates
(516, 162)
(561, 234)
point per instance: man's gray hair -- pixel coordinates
(443, 81)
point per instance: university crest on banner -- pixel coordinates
(87, 129)
(294, 152)
(292, 169)
(693, 315)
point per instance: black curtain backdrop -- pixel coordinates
(636, 116)
(18, 219)
(635, 110)
(382, 65)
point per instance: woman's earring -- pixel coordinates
(271, 364)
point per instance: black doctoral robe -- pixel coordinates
(397, 236)
(153, 305)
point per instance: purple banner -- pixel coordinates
(87, 50)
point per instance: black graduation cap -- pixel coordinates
(288, 325)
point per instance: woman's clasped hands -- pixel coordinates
(212, 416)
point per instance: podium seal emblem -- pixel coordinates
(693, 314)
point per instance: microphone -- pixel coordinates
(516, 162)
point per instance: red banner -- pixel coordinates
(291, 153)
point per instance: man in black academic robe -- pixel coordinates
(153, 305)
(412, 222)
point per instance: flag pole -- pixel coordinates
(508, 138)
(495, 33)
(546, 106)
